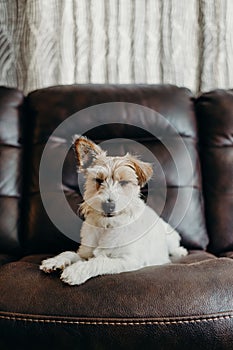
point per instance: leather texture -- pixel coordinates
(153, 283)
(180, 306)
(214, 110)
(11, 177)
(156, 306)
(49, 107)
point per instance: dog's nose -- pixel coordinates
(108, 206)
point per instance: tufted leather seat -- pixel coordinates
(185, 305)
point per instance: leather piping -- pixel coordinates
(118, 322)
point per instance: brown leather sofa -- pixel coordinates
(185, 305)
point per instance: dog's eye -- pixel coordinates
(99, 181)
(123, 183)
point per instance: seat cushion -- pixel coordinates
(187, 298)
(5, 258)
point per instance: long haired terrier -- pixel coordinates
(120, 232)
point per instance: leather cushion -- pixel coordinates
(215, 116)
(48, 295)
(159, 305)
(11, 174)
(49, 107)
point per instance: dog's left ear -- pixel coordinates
(86, 151)
(143, 170)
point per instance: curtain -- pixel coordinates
(50, 42)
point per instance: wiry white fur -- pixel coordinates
(134, 237)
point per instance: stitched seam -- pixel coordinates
(118, 323)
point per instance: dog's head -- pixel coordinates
(113, 184)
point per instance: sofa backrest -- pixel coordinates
(47, 108)
(215, 115)
(11, 169)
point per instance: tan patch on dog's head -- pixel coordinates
(143, 170)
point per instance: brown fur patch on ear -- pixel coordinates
(86, 151)
(143, 170)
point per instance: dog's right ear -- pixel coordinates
(86, 151)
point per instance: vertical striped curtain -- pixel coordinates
(183, 42)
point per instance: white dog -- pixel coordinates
(120, 232)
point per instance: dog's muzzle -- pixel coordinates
(108, 207)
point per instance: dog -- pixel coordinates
(120, 232)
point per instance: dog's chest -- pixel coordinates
(108, 237)
(108, 234)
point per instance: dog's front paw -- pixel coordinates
(179, 253)
(53, 264)
(76, 274)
